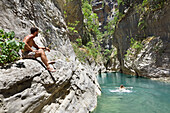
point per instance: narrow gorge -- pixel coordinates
(86, 38)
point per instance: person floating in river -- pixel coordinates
(28, 52)
(121, 87)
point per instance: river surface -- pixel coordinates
(141, 95)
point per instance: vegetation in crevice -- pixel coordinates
(146, 7)
(135, 48)
(143, 9)
(87, 47)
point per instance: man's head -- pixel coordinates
(34, 31)
(121, 86)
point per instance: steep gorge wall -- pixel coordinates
(105, 10)
(149, 61)
(25, 86)
(73, 13)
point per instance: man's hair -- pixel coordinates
(33, 30)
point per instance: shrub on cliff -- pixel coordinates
(9, 47)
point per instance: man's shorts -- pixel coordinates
(28, 54)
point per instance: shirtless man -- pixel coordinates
(28, 52)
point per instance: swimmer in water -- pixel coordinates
(121, 87)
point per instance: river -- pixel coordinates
(142, 95)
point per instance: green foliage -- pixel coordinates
(91, 32)
(86, 53)
(91, 23)
(145, 8)
(110, 27)
(135, 47)
(9, 47)
(120, 2)
(135, 44)
(93, 35)
(81, 55)
(71, 27)
(107, 54)
(152, 4)
(142, 24)
(92, 50)
(65, 14)
(79, 42)
(149, 6)
(145, 2)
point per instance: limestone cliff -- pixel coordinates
(25, 86)
(154, 58)
(105, 10)
(73, 13)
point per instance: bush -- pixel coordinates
(9, 47)
(135, 48)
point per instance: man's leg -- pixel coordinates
(41, 53)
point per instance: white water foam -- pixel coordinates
(127, 90)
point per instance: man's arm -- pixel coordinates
(37, 47)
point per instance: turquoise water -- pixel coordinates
(145, 96)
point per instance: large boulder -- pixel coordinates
(26, 86)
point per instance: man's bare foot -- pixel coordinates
(51, 69)
(51, 62)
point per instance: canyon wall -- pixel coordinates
(73, 15)
(154, 58)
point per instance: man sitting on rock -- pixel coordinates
(28, 52)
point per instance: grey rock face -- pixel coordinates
(73, 14)
(105, 10)
(113, 63)
(148, 62)
(26, 86)
(21, 16)
(153, 59)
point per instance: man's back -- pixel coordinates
(28, 40)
